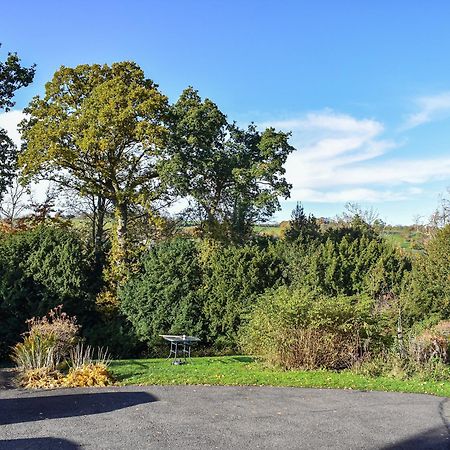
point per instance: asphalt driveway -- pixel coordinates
(207, 417)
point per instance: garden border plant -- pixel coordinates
(53, 355)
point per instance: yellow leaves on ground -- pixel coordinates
(89, 375)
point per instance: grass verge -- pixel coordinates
(244, 371)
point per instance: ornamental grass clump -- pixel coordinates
(58, 327)
(49, 347)
(86, 369)
(35, 352)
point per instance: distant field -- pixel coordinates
(405, 238)
(269, 230)
(400, 236)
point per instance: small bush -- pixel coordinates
(391, 365)
(311, 349)
(58, 328)
(50, 341)
(47, 342)
(428, 345)
(424, 356)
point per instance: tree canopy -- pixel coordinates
(232, 176)
(13, 76)
(100, 130)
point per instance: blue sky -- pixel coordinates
(364, 88)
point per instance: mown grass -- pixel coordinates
(244, 371)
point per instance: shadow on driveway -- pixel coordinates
(42, 443)
(435, 439)
(30, 409)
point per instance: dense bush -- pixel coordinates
(165, 297)
(200, 288)
(233, 278)
(428, 293)
(299, 328)
(330, 298)
(40, 269)
(349, 261)
(423, 354)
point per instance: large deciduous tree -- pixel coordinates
(12, 77)
(99, 130)
(232, 176)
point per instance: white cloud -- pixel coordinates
(9, 121)
(354, 195)
(339, 159)
(431, 108)
(329, 120)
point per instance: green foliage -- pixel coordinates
(99, 130)
(198, 288)
(297, 328)
(40, 269)
(233, 176)
(165, 297)
(12, 77)
(301, 228)
(349, 261)
(234, 276)
(8, 156)
(113, 331)
(428, 293)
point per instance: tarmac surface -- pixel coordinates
(208, 417)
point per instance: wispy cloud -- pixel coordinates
(342, 158)
(430, 108)
(354, 195)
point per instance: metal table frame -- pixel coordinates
(180, 347)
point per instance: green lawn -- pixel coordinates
(242, 370)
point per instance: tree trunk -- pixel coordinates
(121, 213)
(98, 229)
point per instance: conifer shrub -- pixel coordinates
(165, 296)
(40, 269)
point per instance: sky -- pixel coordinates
(364, 87)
